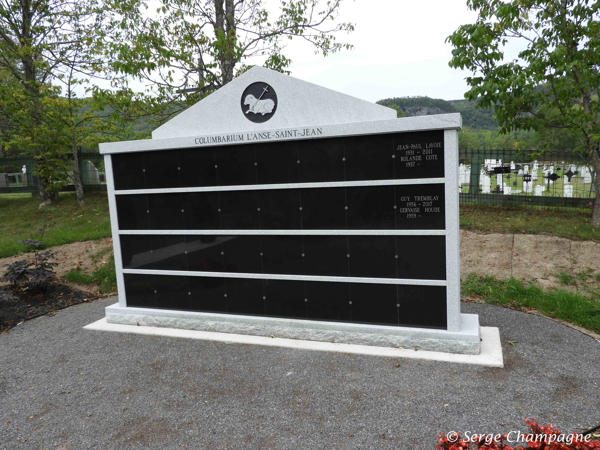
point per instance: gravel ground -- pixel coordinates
(62, 387)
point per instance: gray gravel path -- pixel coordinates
(62, 387)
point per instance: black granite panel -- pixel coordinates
(372, 256)
(208, 294)
(326, 256)
(321, 160)
(369, 157)
(285, 299)
(277, 163)
(198, 167)
(323, 209)
(245, 296)
(205, 253)
(128, 171)
(420, 207)
(236, 165)
(280, 209)
(374, 303)
(370, 208)
(168, 253)
(201, 210)
(140, 290)
(242, 254)
(328, 301)
(136, 252)
(282, 254)
(172, 292)
(422, 306)
(161, 169)
(239, 210)
(419, 306)
(420, 154)
(421, 257)
(382, 156)
(132, 212)
(166, 211)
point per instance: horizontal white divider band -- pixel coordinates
(287, 232)
(264, 276)
(256, 187)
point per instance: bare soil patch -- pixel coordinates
(18, 304)
(546, 260)
(86, 256)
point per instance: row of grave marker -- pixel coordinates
(496, 168)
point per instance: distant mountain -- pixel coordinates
(472, 117)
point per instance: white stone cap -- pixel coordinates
(406, 124)
(299, 104)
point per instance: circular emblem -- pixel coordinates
(259, 102)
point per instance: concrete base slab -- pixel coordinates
(489, 356)
(466, 340)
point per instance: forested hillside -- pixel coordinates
(480, 130)
(480, 119)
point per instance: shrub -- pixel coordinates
(33, 273)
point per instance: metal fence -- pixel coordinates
(18, 174)
(512, 177)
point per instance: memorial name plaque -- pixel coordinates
(341, 227)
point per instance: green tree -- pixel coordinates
(47, 47)
(553, 84)
(203, 44)
(399, 111)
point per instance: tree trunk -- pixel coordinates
(225, 26)
(230, 29)
(77, 173)
(46, 195)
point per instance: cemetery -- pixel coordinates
(210, 241)
(239, 249)
(557, 183)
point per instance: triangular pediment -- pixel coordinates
(262, 99)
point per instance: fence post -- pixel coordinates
(475, 169)
(80, 163)
(29, 172)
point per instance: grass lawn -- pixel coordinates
(569, 306)
(20, 218)
(104, 277)
(563, 222)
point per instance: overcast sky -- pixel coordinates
(399, 50)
